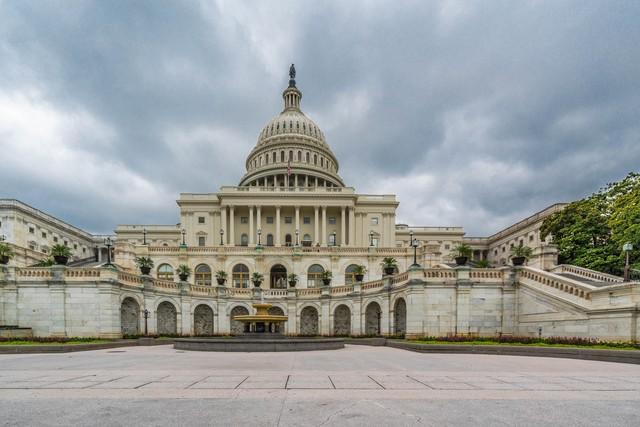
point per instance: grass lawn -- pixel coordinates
(602, 346)
(70, 342)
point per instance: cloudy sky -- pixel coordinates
(473, 113)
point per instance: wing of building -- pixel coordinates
(319, 245)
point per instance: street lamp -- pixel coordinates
(259, 234)
(146, 314)
(108, 243)
(414, 243)
(183, 232)
(221, 237)
(627, 248)
(335, 242)
(371, 238)
(144, 236)
(297, 240)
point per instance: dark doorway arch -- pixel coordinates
(238, 327)
(167, 319)
(342, 321)
(309, 321)
(372, 319)
(130, 317)
(278, 277)
(203, 320)
(400, 317)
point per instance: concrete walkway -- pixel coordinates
(355, 386)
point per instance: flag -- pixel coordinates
(289, 168)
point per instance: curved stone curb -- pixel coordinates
(258, 344)
(62, 348)
(618, 356)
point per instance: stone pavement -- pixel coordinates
(354, 386)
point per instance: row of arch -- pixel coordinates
(240, 275)
(307, 157)
(310, 129)
(167, 319)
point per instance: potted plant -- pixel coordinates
(326, 277)
(359, 272)
(61, 254)
(184, 272)
(221, 277)
(145, 264)
(463, 252)
(520, 253)
(389, 265)
(483, 263)
(293, 279)
(257, 279)
(6, 253)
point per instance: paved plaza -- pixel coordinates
(354, 386)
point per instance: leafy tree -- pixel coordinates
(590, 232)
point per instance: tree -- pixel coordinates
(590, 232)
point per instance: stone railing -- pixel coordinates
(277, 250)
(341, 290)
(166, 285)
(309, 292)
(35, 272)
(484, 275)
(204, 290)
(274, 293)
(130, 279)
(376, 284)
(586, 273)
(240, 292)
(82, 273)
(437, 274)
(560, 284)
(399, 278)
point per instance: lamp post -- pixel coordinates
(627, 248)
(183, 232)
(335, 242)
(297, 240)
(144, 236)
(371, 238)
(414, 243)
(145, 314)
(259, 235)
(221, 237)
(108, 243)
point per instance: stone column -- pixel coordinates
(324, 226)
(223, 222)
(232, 232)
(316, 223)
(343, 230)
(251, 239)
(383, 233)
(57, 303)
(306, 180)
(259, 217)
(297, 220)
(278, 226)
(325, 314)
(109, 310)
(186, 327)
(352, 226)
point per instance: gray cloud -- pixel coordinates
(474, 113)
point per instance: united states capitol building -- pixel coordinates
(292, 213)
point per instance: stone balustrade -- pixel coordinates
(586, 273)
(559, 283)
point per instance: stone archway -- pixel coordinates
(130, 317)
(309, 321)
(167, 319)
(400, 317)
(372, 319)
(278, 277)
(238, 327)
(203, 320)
(342, 321)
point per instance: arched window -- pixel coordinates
(350, 275)
(290, 156)
(282, 156)
(321, 161)
(165, 272)
(306, 240)
(203, 275)
(315, 159)
(240, 276)
(314, 276)
(287, 240)
(269, 239)
(307, 156)
(244, 240)
(299, 156)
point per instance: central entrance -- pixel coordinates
(278, 277)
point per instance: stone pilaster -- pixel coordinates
(57, 302)
(292, 321)
(109, 310)
(415, 303)
(463, 300)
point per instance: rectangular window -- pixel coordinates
(531, 238)
(84, 250)
(75, 246)
(66, 243)
(32, 247)
(504, 249)
(244, 220)
(44, 235)
(332, 220)
(32, 230)
(200, 220)
(447, 247)
(495, 252)
(288, 220)
(201, 240)
(55, 239)
(306, 220)
(269, 220)
(374, 220)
